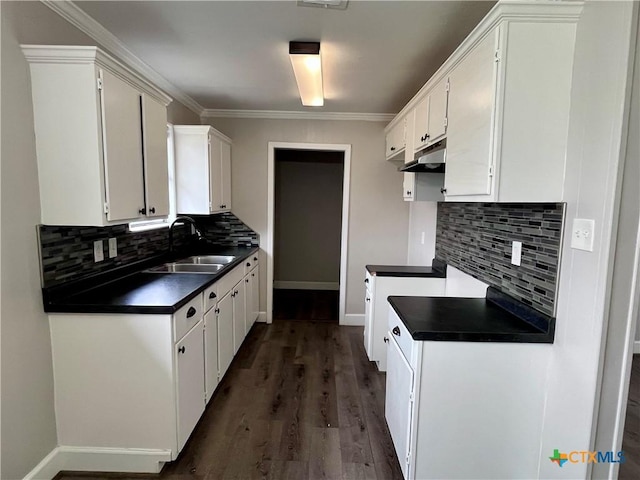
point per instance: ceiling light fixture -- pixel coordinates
(337, 4)
(307, 67)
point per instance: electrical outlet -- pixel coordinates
(113, 247)
(98, 251)
(516, 253)
(582, 234)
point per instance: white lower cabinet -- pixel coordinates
(451, 405)
(377, 307)
(239, 314)
(211, 366)
(130, 388)
(224, 312)
(399, 402)
(189, 381)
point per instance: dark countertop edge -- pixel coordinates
(544, 336)
(51, 306)
(438, 269)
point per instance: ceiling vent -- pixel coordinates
(335, 4)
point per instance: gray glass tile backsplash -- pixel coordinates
(66, 252)
(476, 238)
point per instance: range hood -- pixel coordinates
(428, 160)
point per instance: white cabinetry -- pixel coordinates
(203, 170)
(378, 288)
(507, 109)
(431, 116)
(395, 139)
(239, 315)
(100, 138)
(189, 382)
(443, 398)
(224, 313)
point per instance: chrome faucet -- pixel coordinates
(183, 219)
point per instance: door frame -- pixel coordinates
(326, 147)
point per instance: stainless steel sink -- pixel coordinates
(206, 260)
(187, 268)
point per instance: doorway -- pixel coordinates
(307, 225)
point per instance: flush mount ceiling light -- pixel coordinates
(337, 4)
(307, 67)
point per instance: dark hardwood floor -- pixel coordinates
(318, 305)
(300, 401)
(630, 469)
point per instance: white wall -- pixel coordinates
(28, 430)
(378, 217)
(599, 84)
(308, 216)
(422, 218)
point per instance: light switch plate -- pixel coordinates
(516, 253)
(113, 247)
(582, 233)
(98, 251)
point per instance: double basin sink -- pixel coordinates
(196, 264)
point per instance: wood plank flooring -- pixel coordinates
(630, 469)
(300, 401)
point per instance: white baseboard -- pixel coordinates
(85, 459)
(353, 320)
(636, 346)
(262, 317)
(306, 285)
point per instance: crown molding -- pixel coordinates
(78, 18)
(291, 115)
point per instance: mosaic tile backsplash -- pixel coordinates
(476, 238)
(67, 251)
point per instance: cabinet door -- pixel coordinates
(210, 352)
(224, 310)
(255, 294)
(438, 111)
(398, 408)
(225, 175)
(215, 172)
(395, 139)
(421, 124)
(408, 186)
(190, 382)
(122, 148)
(368, 323)
(239, 315)
(156, 165)
(469, 137)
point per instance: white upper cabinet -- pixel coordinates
(156, 164)
(502, 101)
(469, 153)
(395, 139)
(203, 170)
(97, 141)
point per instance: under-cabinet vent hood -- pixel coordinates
(428, 160)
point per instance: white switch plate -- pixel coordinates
(516, 253)
(113, 247)
(422, 239)
(98, 252)
(582, 234)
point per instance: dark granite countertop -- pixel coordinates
(142, 292)
(437, 270)
(497, 318)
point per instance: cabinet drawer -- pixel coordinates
(226, 283)
(401, 335)
(210, 297)
(185, 318)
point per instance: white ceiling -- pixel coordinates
(234, 54)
